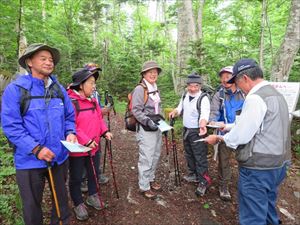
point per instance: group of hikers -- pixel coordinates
(246, 113)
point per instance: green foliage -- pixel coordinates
(10, 210)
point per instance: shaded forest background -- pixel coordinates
(181, 35)
(121, 34)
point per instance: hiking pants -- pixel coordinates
(77, 165)
(195, 153)
(149, 143)
(31, 184)
(224, 155)
(257, 194)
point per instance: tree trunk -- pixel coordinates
(186, 33)
(21, 39)
(286, 54)
(199, 19)
(262, 33)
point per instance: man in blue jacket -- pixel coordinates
(36, 115)
(225, 106)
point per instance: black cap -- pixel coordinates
(194, 78)
(241, 65)
(82, 75)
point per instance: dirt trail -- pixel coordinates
(175, 206)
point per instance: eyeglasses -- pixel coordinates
(92, 67)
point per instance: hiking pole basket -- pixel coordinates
(175, 156)
(52, 184)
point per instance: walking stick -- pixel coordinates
(112, 167)
(97, 186)
(54, 192)
(175, 157)
(168, 155)
(109, 102)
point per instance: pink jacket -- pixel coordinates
(90, 124)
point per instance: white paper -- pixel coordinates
(75, 147)
(163, 126)
(296, 113)
(202, 139)
(213, 126)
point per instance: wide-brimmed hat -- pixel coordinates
(240, 66)
(194, 78)
(150, 65)
(33, 48)
(83, 74)
(227, 69)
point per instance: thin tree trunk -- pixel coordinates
(199, 19)
(269, 31)
(185, 34)
(21, 38)
(262, 33)
(286, 54)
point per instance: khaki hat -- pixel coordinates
(33, 48)
(150, 65)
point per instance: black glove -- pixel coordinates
(151, 125)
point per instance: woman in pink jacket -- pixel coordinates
(90, 127)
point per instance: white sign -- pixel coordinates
(290, 91)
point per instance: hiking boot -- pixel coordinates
(103, 179)
(224, 193)
(94, 201)
(149, 194)
(84, 186)
(81, 212)
(155, 186)
(191, 178)
(201, 189)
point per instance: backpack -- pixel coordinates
(78, 109)
(130, 120)
(199, 101)
(25, 99)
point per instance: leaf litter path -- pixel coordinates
(175, 205)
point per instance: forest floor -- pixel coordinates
(175, 205)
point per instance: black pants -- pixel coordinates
(31, 184)
(195, 153)
(77, 165)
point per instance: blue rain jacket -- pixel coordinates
(225, 105)
(47, 121)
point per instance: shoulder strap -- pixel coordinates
(76, 104)
(182, 98)
(78, 109)
(58, 92)
(146, 93)
(199, 101)
(24, 101)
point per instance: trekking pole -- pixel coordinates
(97, 186)
(54, 192)
(109, 102)
(109, 150)
(168, 155)
(175, 156)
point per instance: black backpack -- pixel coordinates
(199, 101)
(25, 99)
(78, 109)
